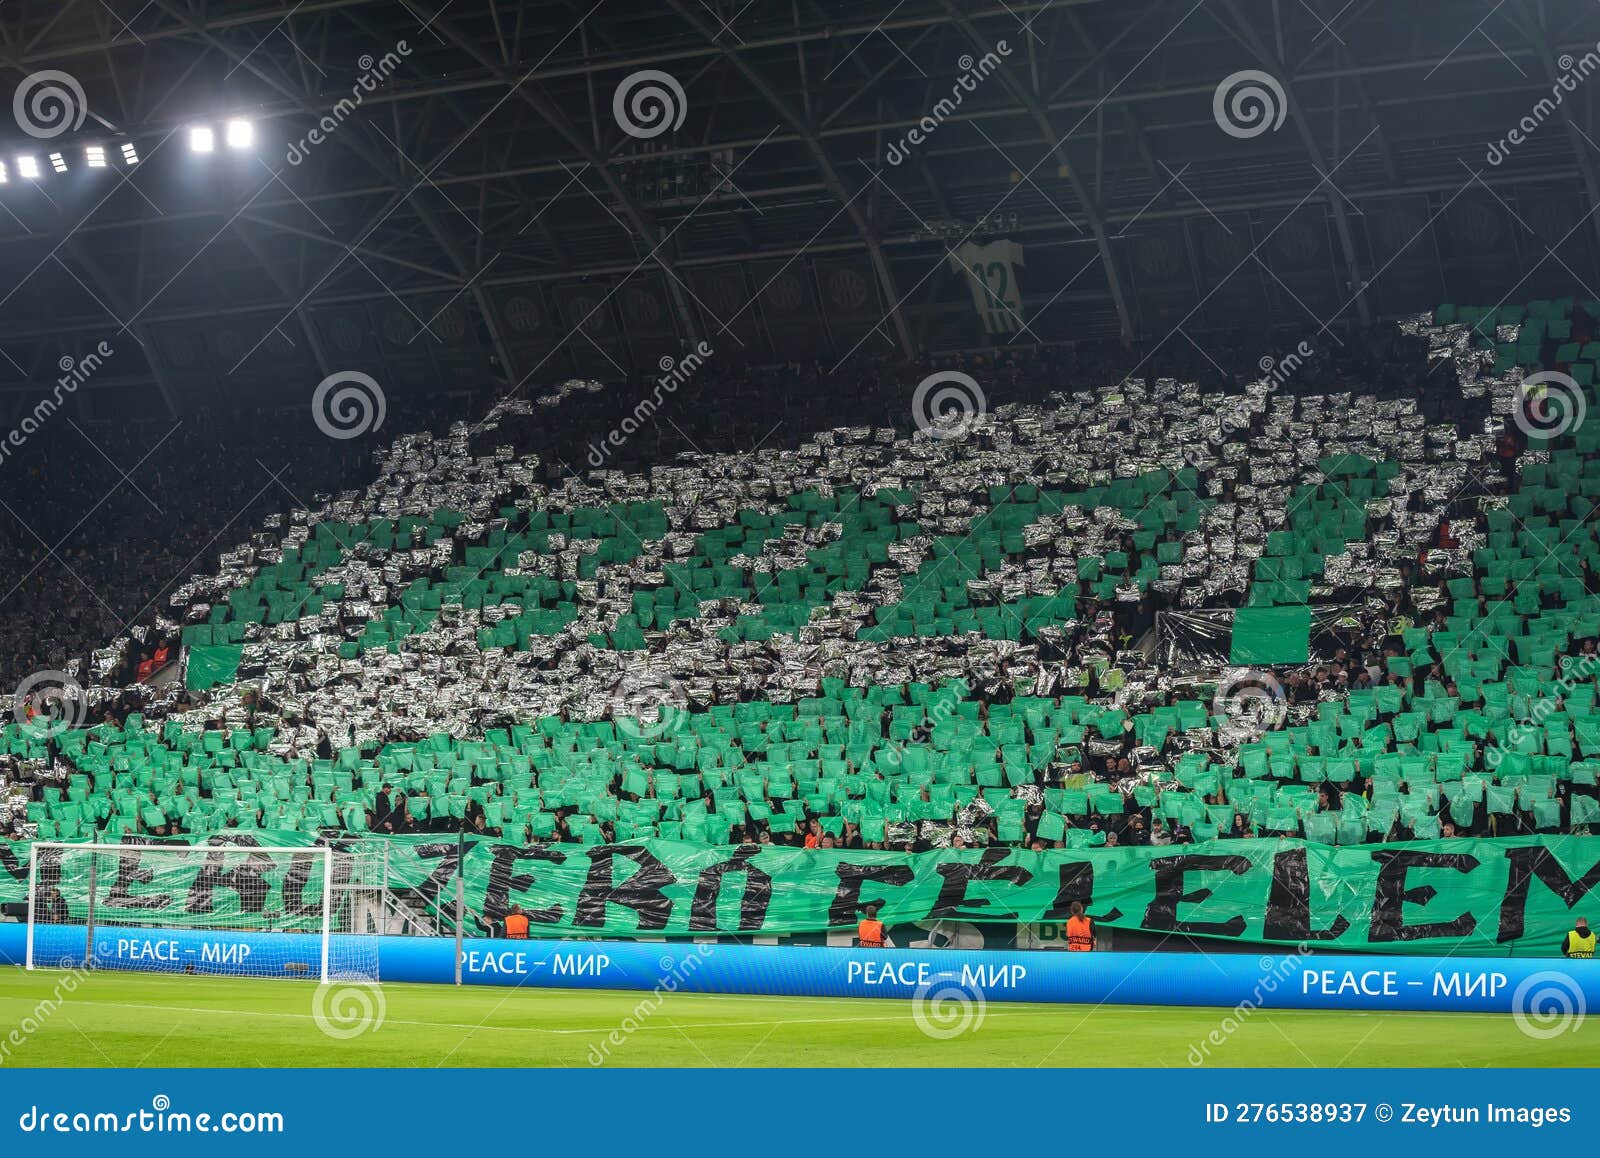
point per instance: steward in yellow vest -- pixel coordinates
(1579, 941)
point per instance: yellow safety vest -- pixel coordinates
(1580, 946)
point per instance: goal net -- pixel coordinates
(218, 909)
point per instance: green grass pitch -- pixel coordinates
(136, 1020)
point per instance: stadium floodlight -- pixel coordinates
(5, 178)
(130, 155)
(95, 155)
(27, 167)
(240, 134)
(58, 162)
(202, 139)
(256, 911)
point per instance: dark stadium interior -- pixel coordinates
(510, 210)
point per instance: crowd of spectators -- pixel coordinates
(91, 552)
(727, 407)
(102, 519)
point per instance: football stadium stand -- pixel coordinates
(1141, 614)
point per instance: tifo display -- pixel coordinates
(1274, 667)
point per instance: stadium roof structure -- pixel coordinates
(519, 191)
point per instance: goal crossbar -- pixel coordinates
(65, 888)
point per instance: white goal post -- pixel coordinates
(228, 909)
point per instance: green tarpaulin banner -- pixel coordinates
(1271, 635)
(1473, 896)
(212, 664)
